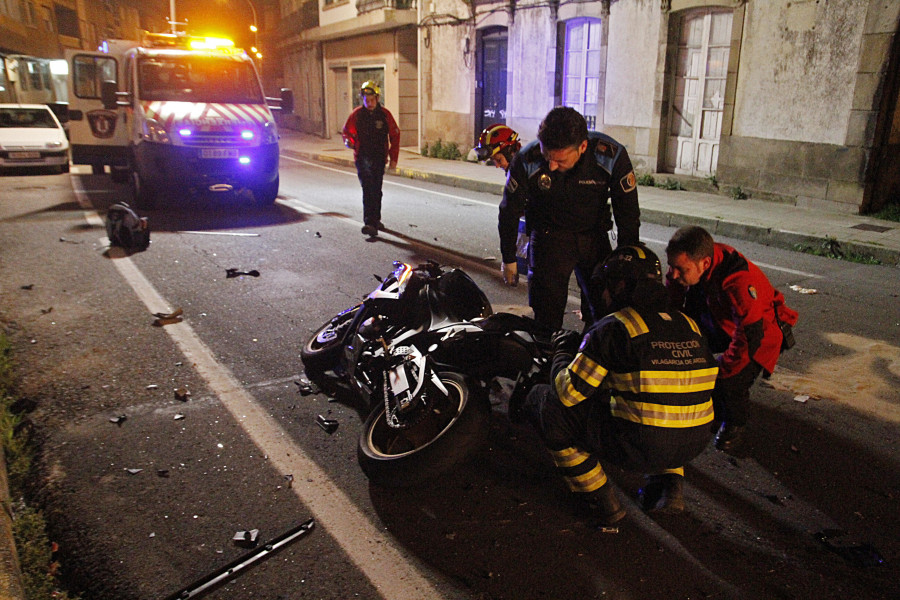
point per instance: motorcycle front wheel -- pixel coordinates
(451, 431)
(322, 351)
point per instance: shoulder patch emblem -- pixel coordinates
(512, 185)
(629, 182)
(752, 291)
(605, 149)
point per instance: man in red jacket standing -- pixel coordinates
(738, 310)
(373, 135)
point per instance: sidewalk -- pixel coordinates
(769, 223)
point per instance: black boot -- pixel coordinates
(729, 437)
(603, 507)
(663, 494)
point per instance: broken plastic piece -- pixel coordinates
(246, 539)
(29, 286)
(803, 290)
(329, 425)
(289, 479)
(134, 471)
(152, 386)
(230, 273)
(178, 416)
(858, 554)
(118, 420)
(603, 529)
(306, 387)
(162, 472)
(182, 394)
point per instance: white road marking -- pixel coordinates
(234, 233)
(394, 183)
(386, 566)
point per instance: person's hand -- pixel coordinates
(510, 272)
(565, 340)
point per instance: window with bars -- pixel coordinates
(581, 68)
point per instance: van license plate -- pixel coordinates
(218, 153)
(24, 154)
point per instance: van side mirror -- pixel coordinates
(287, 101)
(108, 90)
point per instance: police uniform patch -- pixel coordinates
(544, 182)
(512, 185)
(629, 182)
(752, 291)
(606, 149)
(379, 124)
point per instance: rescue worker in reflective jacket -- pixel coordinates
(373, 135)
(562, 183)
(736, 306)
(636, 393)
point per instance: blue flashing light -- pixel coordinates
(247, 134)
(244, 160)
(104, 47)
(185, 132)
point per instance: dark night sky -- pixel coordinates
(224, 18)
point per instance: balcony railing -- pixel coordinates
(364, 6)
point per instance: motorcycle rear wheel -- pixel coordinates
(441, 440)
(322, 350)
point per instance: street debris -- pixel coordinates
(46, 311)
(318, 235)
(162, 472)
(801, 398)
(168, 318)
(182, 394)
(803, 290)
(67, 241)
(133, 471)
(603, 529)
(230, 273)
(152, 386)
(329, 425)
(178, 416)
(306, 387)
(229, 571)
(289, 479)
(29, 286)
(118, 420)
(858, 554)
(246, 539)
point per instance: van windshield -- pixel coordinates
(198, 79)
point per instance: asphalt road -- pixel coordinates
(144, 507)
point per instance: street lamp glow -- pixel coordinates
(253, 28)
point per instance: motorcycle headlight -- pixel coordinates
(153, 131)
(269, 133)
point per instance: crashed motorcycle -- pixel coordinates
(421, 352)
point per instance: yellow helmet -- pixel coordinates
(370, 86)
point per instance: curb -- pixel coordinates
(777, 238)
(11, 586)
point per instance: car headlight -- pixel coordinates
(269, 133)
(152, 131)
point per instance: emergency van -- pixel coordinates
(175, 113)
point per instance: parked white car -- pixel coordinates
(32, 136)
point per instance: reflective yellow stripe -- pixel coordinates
(567, 393)
(590, 481)
(570, 457)
(693, 324)
(657, 382)
(662, 415)
(588, 370)
(632, 321)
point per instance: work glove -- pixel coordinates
(565, 340)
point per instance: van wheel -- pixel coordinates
(266, 194)
(143, 194)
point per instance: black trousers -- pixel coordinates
(731, 396)
(370, 171)
(553, 256)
